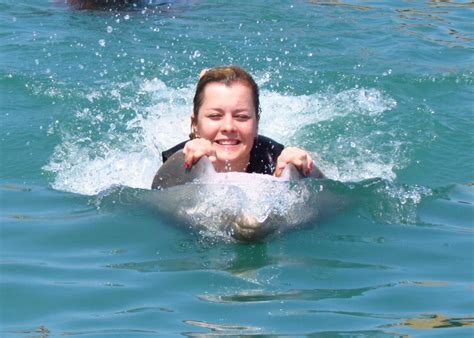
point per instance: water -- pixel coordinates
(380, 92)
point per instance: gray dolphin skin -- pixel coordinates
(248, 207)
(173, 173)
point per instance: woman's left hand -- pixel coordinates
(298, 157)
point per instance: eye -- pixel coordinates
(242, 117)
(214, 116)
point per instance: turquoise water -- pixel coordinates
(380, 92)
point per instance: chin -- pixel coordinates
(228, 155)
(227, 163)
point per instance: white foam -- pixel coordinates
(213, 207)
(128, 151)
(90, 176)
(284, 115)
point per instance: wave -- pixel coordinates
(117, 132)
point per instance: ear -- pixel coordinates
(193, 133)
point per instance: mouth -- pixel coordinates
(228, 142)
(248, 228)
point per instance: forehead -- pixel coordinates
(236, 91)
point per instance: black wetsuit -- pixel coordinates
(263, 156)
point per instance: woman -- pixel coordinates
(224, 127)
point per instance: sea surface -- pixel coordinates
(380, 92)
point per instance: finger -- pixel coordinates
(279, 168)
(188, 159)
(277, 172)
(304, 166)
(211, 154)
(310, 165)
(299, 164)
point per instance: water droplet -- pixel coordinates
(126, 17)
(102, 42)
(110, 29)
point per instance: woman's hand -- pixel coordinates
(296, 156)
(197, 148)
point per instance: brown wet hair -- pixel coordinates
(227, 75)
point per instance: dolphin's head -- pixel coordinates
(247, 227)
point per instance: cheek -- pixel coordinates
(252, 130)
(249, 132)
(207, 130)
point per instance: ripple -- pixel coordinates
(145, 309)
(338, 264)
(255, 296)
(436, 321)
(221, 328)
(425, 283)
(109, 332)
(169, 265)
(53, 217)
(15, 187)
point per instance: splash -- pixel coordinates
(228, 207)
(119, 130)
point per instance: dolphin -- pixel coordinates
(173, 173)
(247, 207)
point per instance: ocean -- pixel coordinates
(380, 92)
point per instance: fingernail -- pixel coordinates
(186, 166)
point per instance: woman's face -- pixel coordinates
(228, 119)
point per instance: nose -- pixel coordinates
(228, 123)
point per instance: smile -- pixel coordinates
(228, 142)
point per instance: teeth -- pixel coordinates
(227, 142)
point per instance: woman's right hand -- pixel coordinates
(197, 148)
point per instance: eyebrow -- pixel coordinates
(234, 111)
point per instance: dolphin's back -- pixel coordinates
(247, 206)
(173, 173)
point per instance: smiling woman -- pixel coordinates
(227, 124)
(224, 127)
